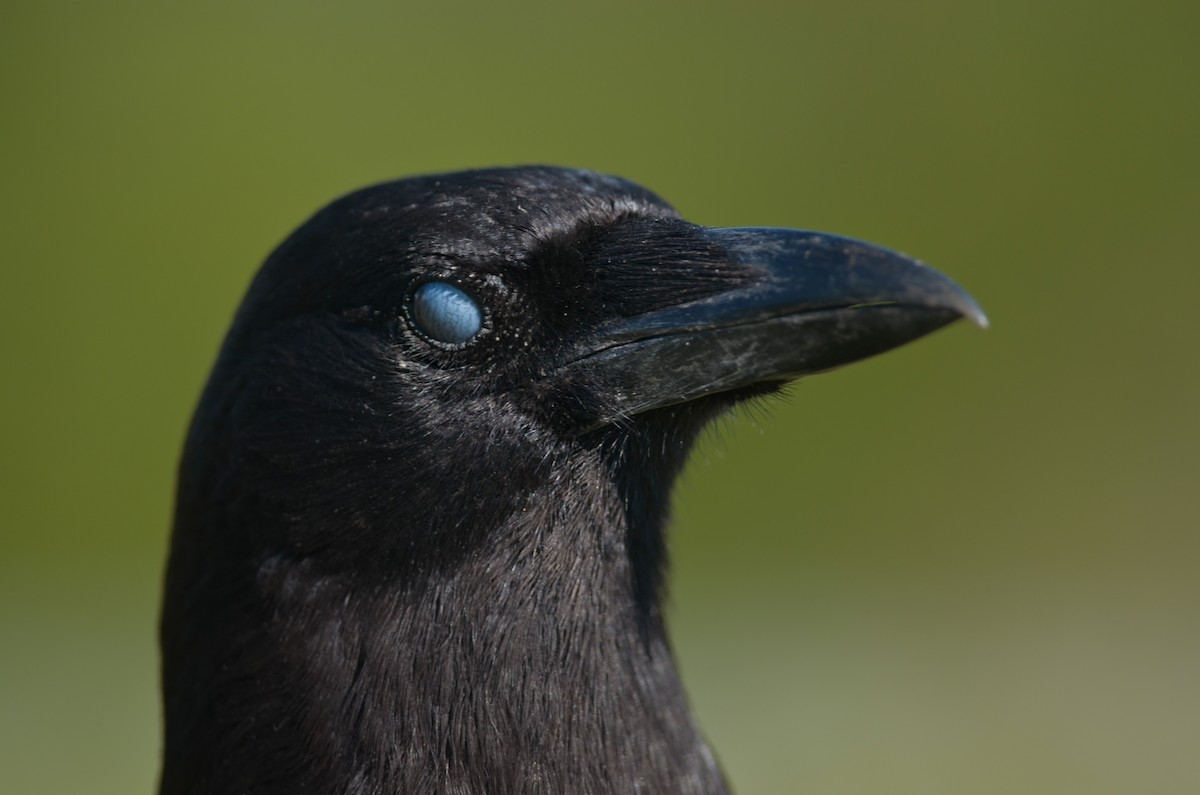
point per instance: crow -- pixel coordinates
(419, 534)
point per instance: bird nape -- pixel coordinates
(419, 532)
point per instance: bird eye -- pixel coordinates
(445, 313)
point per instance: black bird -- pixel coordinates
(419, 534)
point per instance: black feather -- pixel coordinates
(401, 566)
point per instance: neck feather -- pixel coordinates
(539, 663)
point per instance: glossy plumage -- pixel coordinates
(413, 556)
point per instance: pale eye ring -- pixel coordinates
(445, 314)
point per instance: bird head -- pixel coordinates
(422, 353)
(444, 426)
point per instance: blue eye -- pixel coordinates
(445, 313)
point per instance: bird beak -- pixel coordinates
(814, 302)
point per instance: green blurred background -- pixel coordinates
(969, 566)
